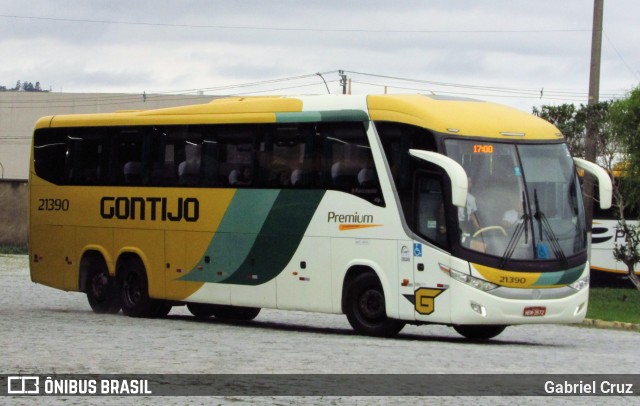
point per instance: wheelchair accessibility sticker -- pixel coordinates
(417, 249)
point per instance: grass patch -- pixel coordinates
(614, 304)
(13, 249)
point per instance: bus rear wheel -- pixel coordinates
(102, 289)
(479, 332)
(200, 311)
(366, 310)
(226, 312)
(135, 292)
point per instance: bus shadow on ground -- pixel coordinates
(337, 331)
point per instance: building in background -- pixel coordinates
(18, 114)
(20, 110)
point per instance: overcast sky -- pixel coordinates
(500, 50)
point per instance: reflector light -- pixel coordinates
(478, 308)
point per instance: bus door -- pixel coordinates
(429, 254)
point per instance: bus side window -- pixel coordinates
(348, 162)
(397, 139)
(281, 152)
(129, 153)
(237, 155)
(210, 160)
(132, 171)
(189, 168)
(49, 154)
(87, 157)
(429, 211)
(189, 173)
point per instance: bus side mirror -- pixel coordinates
(604, 181)
(455, 171)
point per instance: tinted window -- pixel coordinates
(420, 196)
(294, 155)
(49, 155)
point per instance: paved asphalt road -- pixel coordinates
(47, 331)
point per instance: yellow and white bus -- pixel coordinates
(391, 209)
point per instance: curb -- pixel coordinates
(617, 325)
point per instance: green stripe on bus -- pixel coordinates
(257, 237)
(345, 115)
(323, 116)
(279, 238)
(560, 278)
(301, 117)
(571, 275)
(235, 236)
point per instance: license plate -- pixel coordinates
(534, 311)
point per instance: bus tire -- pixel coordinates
(201, 311)
(134, 290)
(101, 289)
(162, 309)
(366, 310)
(226, 312)
(479, 331)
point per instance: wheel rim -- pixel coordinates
(99, 286)
(371, 305)
(132, 289)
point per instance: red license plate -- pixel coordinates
(534, 311)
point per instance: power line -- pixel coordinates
(285, 84)
(272, 90)
(468, 94)
(298, 29)
(494, 91)
(125, 98)
(620, 56)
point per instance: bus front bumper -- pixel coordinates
(505, 306)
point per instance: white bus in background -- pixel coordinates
(605, 235)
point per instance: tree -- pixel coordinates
(24, 87)
(624, 118)
(565, 118)
(617, 146)
(572, 122)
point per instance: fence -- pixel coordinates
(14, 203)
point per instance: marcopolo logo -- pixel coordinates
(152, 208)
(351, 221)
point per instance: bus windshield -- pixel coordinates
(524, 200)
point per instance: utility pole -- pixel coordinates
(343, 81)
(593, 118)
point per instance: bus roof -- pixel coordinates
(461, 116)
(443, 114)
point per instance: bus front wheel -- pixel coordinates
(366, 310)
(135, 293)
(479, 332)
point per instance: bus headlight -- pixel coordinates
(479, 284)
(580, 284)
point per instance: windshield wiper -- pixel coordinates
(544, 225)
(522, 226)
